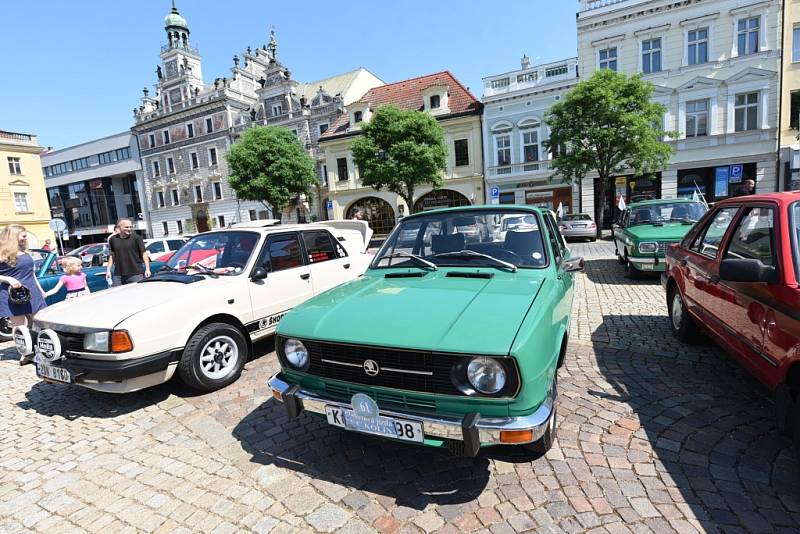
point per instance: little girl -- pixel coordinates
(74, 279)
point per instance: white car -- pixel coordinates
(158, 248)
(200, 315)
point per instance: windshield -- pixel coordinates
(660, 213)
(39, 257)
(223, 252)
(577, 217)
(512, 237)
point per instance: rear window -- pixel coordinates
(576, 217)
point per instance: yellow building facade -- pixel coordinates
(23, 199)
(790, 97)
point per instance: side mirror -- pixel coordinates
(259, 273)
(573, 265)
(736, 270)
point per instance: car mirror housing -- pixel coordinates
(259, 273)
(573, 265)
(747, 270)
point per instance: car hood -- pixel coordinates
(108, 308)
(673, 231)
(437, 311)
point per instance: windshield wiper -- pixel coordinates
(472, 254)
(203, 270)
(419, 259)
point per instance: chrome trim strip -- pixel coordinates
(392, 369)
(335, 362)
(438, 426)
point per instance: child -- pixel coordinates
(73, 279)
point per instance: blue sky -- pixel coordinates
(74, 70)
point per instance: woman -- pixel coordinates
(16, 269)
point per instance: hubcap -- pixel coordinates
(677, 310)
(218, 357)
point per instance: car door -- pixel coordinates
(741, 307)
(327, 259)
(564, 279)
(287, 284)
(619, 232)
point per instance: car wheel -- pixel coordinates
(682, 325)
(630, 271)
(620, 259)
(592, 239)
(214, 357)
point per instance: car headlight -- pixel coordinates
(648, 248)
(296, 353)
(486, 375)
(97, 341)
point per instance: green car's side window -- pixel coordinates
(555, 238)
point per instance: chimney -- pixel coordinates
(526, 61)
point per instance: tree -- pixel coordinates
(609, 125)
(269, 165)
(400, 150)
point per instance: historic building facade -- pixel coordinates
(459, 114)
(186, 129)
(715, 67)
(517, 164)
(22, 194)
(93, 184)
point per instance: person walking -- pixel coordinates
(16, 273)
(128, 254)
(747, 188)
(48, 245)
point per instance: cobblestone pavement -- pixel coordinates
(654, 436)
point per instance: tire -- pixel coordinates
(784, 409)
(544, 444)
(630, 271)
(620, 259)
(795, 422)
(592, 239)
(213, 358)
(681, 323)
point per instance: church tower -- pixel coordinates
(182, 77)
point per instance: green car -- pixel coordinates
(645, 230)
(444, 341)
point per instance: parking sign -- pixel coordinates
(736, 173)
(494, 192)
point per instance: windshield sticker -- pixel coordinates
(537, 255)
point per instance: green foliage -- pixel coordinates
(269, 165)
(400, 150)
(607, 124)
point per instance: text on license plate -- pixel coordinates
(402, 429)
(53, 373)
(647, 266)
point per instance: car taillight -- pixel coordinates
(593, 225)
(121, 341)
(83, 253)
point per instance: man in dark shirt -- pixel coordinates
(128, 254)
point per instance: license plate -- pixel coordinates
(379, 425)
(579, 226)
(647, 266)
(51, 372)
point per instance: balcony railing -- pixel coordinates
(530, 77)
(22, 138)
(519, 168)
(190, 49)
(590, 5)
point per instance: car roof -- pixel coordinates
(269, 228)
(657, 201)
(786, 197)
(480, 207)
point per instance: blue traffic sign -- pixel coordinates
(736, 172)
(494, 192)
(329, 205)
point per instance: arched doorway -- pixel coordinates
(440, 198)
(377, 212)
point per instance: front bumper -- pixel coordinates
(85, 370)
(471, 429)
(648, 264)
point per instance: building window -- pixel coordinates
(180, 226)
(152, 141)
(189, 131)
(323, 128)
(198, 193)
(651, 55)
(160, 197)
(554, 71)
(129, 210)
(503, 146)
(277, 109)
(212, 156)
(796, 43)
(165, 134)
(217, 191)
(358, 116)
(435, 102)
(170, 166)
(746, 112)
(21, 202)
(747, 36)
(253, 215)
(697, 118)
(209, 125)
(608, 58)
(175, 198)
(794, 110)
(195, 161)
(528, 77)
(498, 84)
(530, 146)
(166, 227)
(341, 169)
(221, 221)
(508, 198)
(697, 43)
(156, 169)
(461, 149)
(14, 166)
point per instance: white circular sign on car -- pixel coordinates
(57, 225)
(23, 340)
(48, 345)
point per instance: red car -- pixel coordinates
(736, 276)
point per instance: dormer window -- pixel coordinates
(435, 101)
(358, 116)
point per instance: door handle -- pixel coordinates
(305, 276)
(346, 265)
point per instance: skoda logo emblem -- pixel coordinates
(371, 367)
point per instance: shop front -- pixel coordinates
(533, 194)
(633, 188)
(715, 183)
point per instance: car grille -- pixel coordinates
(71, 342)
(399, 369)
(388, 400)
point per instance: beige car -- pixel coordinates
(199, 316)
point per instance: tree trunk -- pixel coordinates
(410, 199)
